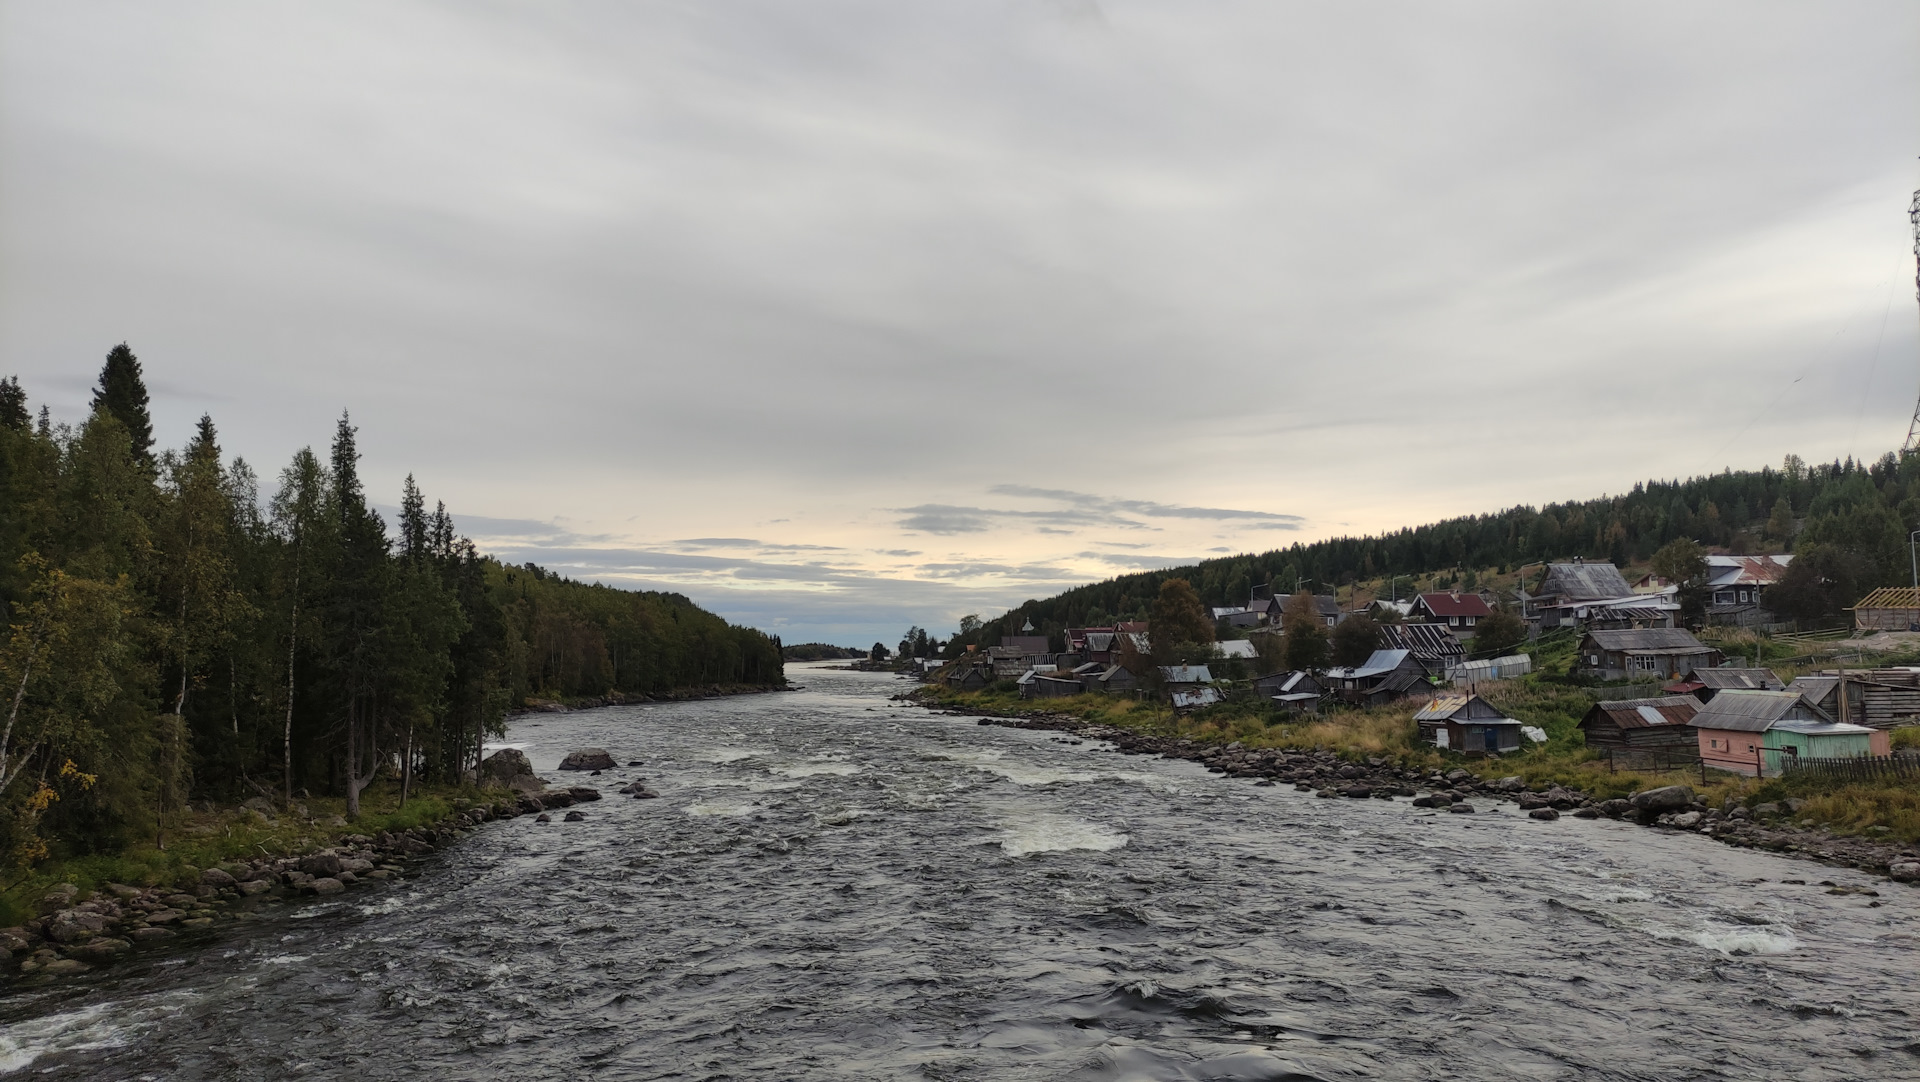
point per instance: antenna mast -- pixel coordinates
(1913, 426)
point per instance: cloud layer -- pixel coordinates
(843, 316)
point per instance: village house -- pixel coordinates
(1189, 685)
(1386, 676)
(1657, 726)
(1704, 684)
(1736, 587)
(1240, 616)
(1242, 649)
(1876, 698)
(1324, 606)
(1459, 612)
(1118, 680)
(1756, 733)
(1467, 724)
(1296, 690)
(1568, 589)
(1035, 684)
(1646, 652)
(1432, 645)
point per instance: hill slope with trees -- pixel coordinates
(1846, 523)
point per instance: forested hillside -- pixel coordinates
(172, 638)
(1846, 522)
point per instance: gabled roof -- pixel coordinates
(1583, 582)
(1753, 711)
(1890, 597)
(1748, 679)
(1634, 640)
(1378, 663)
(1099, 641)
(1646, 713)
(1186, 674)
(1427, 642)
(1746, 570)
(1221, 613)
(1237, 648)
(1446, 706)
(1454, 604)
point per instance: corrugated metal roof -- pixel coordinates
(1186, 674)
(1642, 713)
(1428, 642)
(1746, 570)
(1747, 711)
(1584, 582)
(1442, 707)
(1237, 648)
(1637, 639)
(1750, 679)
(1821, 728)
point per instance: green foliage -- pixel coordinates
(165, 643)
(1355, 639)
(1303, 634)
(1500, 632)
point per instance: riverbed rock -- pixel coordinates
(583, 793)
(576, 817)
(1664, 799)
(63, 967)
(324, 885)
(1586, 813)
(1689, 820)
(1461, 809)
(588, 759)
(253, 887)
(543, 817)
(635, 762)
(320, 864)
(100, 949)
(217, 879)
(505, 765)
(1906, 871)
(149, 933)
(1511, 784)
(1547, 815)
(165, 916)
(74, 925)
(1357, 792)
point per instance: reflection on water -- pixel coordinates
(834, 886)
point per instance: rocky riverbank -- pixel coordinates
(76, 934)
(619, 698)
(1675, 807)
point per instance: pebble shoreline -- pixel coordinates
(1327, 775)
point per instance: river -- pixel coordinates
(837, 886)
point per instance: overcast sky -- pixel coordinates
(839, 317)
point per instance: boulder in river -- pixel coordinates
(576, 817)
(1664, 799)
(505, 765)
(583, 793)
(1460, 809)
(1545, 814)
(588, 759)
(1906, 871)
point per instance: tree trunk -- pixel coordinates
(356, 783)
(293, 637)
(406, 767)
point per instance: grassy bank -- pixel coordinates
(1887, 810)
(208, 836)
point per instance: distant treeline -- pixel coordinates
(1846, 522)
(171, 638)
(820, 651)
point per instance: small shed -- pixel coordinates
(1468, 724)
(1755, 732)
(1296, 690)
(1118, 679)
(970, 678)
(1644, 725)
(1655, 651)
(1038, 685)
(1387, 675)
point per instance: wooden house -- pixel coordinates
(1324, 606)
(1652, 725)
(1457, 612)
(1432, 645)
(1386, 676)
(1555, 602)
(1643, 652)
(1467, 724)
(1296, 690)
(1876, 698)
(1756, 732)
(1118, 680)
(969, 678)
(1736, 587)
(1038, 685)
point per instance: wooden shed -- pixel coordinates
(1467, 723)
(1651, 725)
(1704, 684)
(1755, 732)
(1891, 608)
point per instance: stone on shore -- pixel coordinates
(1664, 799)
(1543, 814)
(326, 884)
(588, 759)
(505, 765)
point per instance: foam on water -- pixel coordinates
(703, 808)
(1058, 833)
(730, 755)
(810, 770)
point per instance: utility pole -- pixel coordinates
(1913, 216)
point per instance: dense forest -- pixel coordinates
(173, 638)
(1846, 522)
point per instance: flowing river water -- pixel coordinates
(837, 886)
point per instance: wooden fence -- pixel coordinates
(1861, 768)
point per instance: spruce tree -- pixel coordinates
(124, 394)
(13, 405)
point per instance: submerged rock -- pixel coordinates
(588, 759)
(576, 817)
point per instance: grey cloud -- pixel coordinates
(1147, 507)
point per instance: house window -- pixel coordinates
(1644, 664)
(1715, 743)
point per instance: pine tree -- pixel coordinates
(13, 405)
(124, 394)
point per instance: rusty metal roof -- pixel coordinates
(1455, 604)
(1647, 713)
